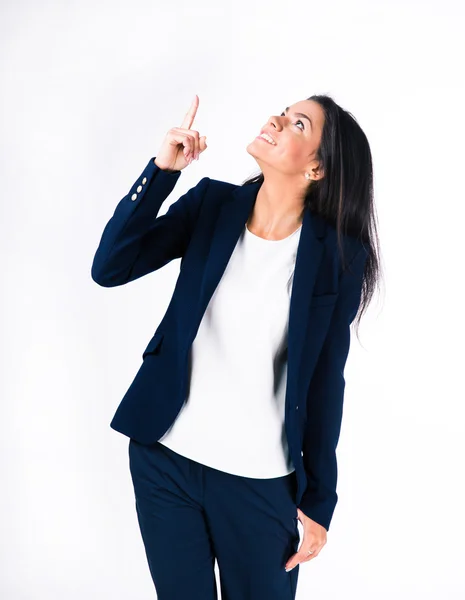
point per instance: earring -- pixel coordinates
(307, 176)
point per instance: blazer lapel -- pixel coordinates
(233, 215)
(308, 259)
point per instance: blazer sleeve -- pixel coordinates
(325, 400)
(135, 241)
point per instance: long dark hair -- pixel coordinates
(344, 195)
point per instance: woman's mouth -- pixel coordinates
(267, 138)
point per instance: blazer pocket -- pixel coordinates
(154, 345)
(323, 299)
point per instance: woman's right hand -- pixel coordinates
(181, 144)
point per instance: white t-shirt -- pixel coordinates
(233, 415)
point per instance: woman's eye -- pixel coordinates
(298, 121)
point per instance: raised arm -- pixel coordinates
(135, 241)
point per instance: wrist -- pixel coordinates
(163, 168)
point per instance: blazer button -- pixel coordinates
(144, 180)
(139, 188)
(134, 196)
(297, 408)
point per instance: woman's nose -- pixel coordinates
(274, 122)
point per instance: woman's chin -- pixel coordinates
(252, 149)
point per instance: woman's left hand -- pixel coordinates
(314, 539)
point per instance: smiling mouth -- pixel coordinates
(266, 138)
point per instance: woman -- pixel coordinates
(235, 412)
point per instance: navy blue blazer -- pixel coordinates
(202, 228)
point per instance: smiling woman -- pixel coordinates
(235, 412)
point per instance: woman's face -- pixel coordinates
(297, 135)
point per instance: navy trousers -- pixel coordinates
(191, 515)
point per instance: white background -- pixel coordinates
(89, 90)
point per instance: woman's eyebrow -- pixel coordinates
(302, 115)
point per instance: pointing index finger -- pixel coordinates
(190, 115)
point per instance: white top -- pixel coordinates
(233, 415)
